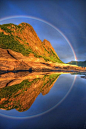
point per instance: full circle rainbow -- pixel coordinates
(25, 16)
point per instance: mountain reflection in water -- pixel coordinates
(19, 90)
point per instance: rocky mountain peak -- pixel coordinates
(22, 38)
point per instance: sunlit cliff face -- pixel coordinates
(23, 39)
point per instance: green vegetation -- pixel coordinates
(18, 26)
(50, 79)
(4, 27)
(9, 91)
(79, 63)
(8, 42)
(53, 57)
(18, 37)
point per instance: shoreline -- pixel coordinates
(42, 70)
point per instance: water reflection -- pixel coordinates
(81, 74)
(25, 94)
(19, 90)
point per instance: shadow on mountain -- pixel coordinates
(19, 90)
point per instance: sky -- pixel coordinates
(63, 23)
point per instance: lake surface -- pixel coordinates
(51, 100)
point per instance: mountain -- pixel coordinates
(23, 39)
(21, 49)
(78, 63)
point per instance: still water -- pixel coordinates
(59, 97)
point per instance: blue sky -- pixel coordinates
(68, 16)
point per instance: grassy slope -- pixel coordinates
(11, 42)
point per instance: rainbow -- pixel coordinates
(25, 16)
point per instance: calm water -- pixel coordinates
(48, 101)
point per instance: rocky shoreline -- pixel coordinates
(11, 61)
